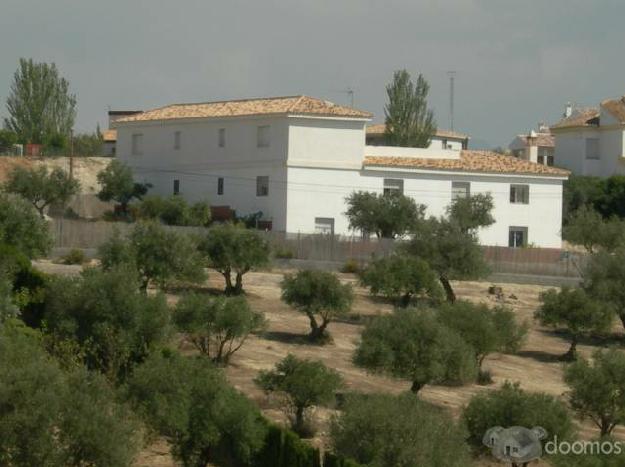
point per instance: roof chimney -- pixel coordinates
(568, 110)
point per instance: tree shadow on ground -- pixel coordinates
(540, 356)
(609, 339)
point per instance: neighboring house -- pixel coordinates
(536, 146)
(110, 136)
(591, 141)
(516, 445)
(442, 139)
(296, 159)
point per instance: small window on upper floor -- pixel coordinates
(262, 185)
(592, 148)
(137, 144)
(520, 194)
(221, 136)
(177, 139)
(262, 136)
(393, 185)
(460, 190)
(176, 187)
(220, 186)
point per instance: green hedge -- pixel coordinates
(332, 460)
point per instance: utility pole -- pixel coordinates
(452, 77)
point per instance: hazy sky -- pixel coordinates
(517, 62)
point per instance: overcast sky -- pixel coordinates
(517, 62)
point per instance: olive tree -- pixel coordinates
(22, 228)
(117, 184)
(304, 383)
(597, 389)
(42, 187)
(604, 279)
(233, 249)
(470, 213)
(188, 401)
(511, 406)
(115, 326)
(388, 215)
(414, 345)
(452, 252)
(401, 278)
(485, 329)
(383, 430)
(320, 296)
(51, 417)
(217, 326)
(159, 255)
(577, 312)
(588, 228)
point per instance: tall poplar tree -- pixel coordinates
(409, 121)
(40, 105)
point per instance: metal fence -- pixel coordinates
(338, 249)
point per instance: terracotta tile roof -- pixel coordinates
(544, 140)
(580, 117)
(378, 129)
(616, 107)
(109, 136)
(469, 161)
(295, 105)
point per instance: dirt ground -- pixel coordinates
(536, 367)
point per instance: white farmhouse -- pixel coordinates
(591, 141)
(296, 159)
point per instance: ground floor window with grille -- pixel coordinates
(392, 185)
(517, 237)
(324, 225)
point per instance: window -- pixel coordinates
(324, 225)
(262, 186)
(176, 187)
(222, 137)
(220, 186)
(393, 185)
(517, 237)
(177, 136)
(541, 159)
(460, 190)
(262, 136)
(137, 144)
(520, 194)
(550, 161)
(592, 148)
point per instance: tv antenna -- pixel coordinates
(349, 91)
(452, 78)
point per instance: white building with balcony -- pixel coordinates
(296, 159)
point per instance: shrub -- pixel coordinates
(386, 431)
(217, 327)
(22, 228)
(319, 295)
(511, 406)
(74, 256)
(351, 266)
(282, 448)
(305, 383)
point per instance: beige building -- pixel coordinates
(442, 139)
(535, 146)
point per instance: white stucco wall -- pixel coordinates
(570, 151)
(321, 193)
